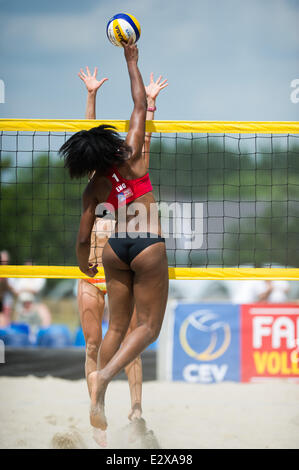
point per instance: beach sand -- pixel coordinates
(53, 413)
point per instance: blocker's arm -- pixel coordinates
(92, 86)
(152, 91)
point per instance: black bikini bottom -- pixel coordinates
(127, 248)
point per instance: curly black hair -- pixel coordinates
(97, 149)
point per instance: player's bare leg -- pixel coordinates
(97, 399)
(134, 374)
(149, 277)
(121, 303)
(91, 308)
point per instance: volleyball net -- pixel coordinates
(228, 195)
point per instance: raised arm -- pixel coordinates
(152, 91)
(135, 136)
(92, 86)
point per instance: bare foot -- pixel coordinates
(100, 437)
(135, 412)
(98, 387)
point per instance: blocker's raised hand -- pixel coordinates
(91, 82)
(153, 89)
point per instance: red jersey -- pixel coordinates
(125, 191)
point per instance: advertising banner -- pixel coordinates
(270, 346)
(205, 343)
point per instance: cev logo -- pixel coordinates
(204, 321)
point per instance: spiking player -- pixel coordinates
(91, 291)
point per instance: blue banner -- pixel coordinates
(206, 343)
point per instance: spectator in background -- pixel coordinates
(274, 292)
(31, 313)
(6, 298)
(248, 292)
(30, 285)
(27, 310)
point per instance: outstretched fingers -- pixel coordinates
(82, 74)
(157, 82)
(102, 81)
(130, 41)
(163, 84)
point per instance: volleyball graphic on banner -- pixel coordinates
(200, 343)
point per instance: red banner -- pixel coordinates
(269, 341)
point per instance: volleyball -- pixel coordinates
(121, 27)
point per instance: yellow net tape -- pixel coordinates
(66, 272)
(230, 127)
